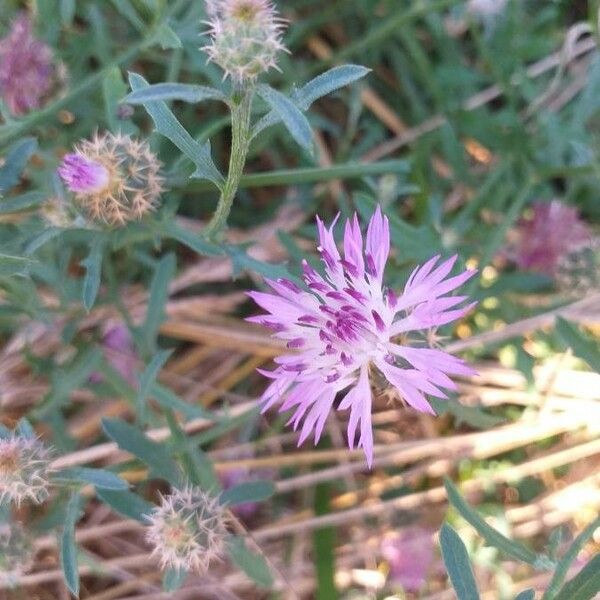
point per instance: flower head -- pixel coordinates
(115, 178)
(28, 73)
(245, 37)
(347, 328)
(410, 555)
(24, 469)
(16, 551)
(546, 235)
(188, 530)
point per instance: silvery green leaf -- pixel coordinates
(163, 92)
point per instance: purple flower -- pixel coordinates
(348, 326)
(82, 175)
(27, 69)
(120, 353)
(410, 555)
(546, 236)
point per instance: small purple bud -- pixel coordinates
(83, 176)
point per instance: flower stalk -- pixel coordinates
(240, 141)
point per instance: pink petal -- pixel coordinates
(378, 240)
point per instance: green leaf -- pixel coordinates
(585, 585)
(14, 162)
(40, 239)
(167, 38)
(68, 546)
(328, 82)
(471, 415)
(564, 564)
(133, 440)
(22, 202)
(126, 503)
(168, 399)
(251, 491)
(93, 271)
(241, 261)
(190, 239)
(158, 295)
(99, 478)
(67, 11)
(163, 92)
(293, 118)
(113, 89)
(173, 579)
(14, 265)
(324, 546)
(582, 346)
(167, 124)
(526, 595)
(254, 565)
(146, 381)
(491, 536)
(457, 564)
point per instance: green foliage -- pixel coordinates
(457, 564)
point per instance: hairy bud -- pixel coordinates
(115, 179)
(245, 37)
(16, 551)
(188, 530)
(24, 470)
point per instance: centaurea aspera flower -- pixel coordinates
(245, 37)
(28, 72)
(115, 179)
(346, 328)
(24, 469)
(545, 236)
(188, 530)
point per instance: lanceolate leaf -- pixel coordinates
(457, 563)
(159, 291)
(292, 117)
(252, 491)
(15, 161)
(133, 440)
(93, 271)
(585, 585)
(68, 546)
(254, 565)
(328, 82)
(491, 536)
(100, 478)
(167, 124)
(163, 92)
(582, 346)
(126, 503)
(526, 595)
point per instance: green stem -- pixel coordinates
(240, 141)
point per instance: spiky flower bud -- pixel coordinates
(24, 469)
(28, 72)
(578, 271)
(188, 530)
(245, 37)
(115, 178)
(16, 551)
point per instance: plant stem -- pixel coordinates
(240, 136)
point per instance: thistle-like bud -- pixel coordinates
(578, 271)
(245, 37)
(24, 469)
(115, 178)
(28, 72)
(16, 551)
(188, 530)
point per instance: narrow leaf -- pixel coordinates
(163, 92)
(167, 124)
(582, 346)
(526, 595)
(167, 38)
(15, 161)
(93, 271)
(168, 399)
(68, 546)
(190, 239)
(564, 564)
(159, 292)
(328, 82)
(14, 265)
(147, 379)
(293, 118)
(457, 564)
(324, 546)
(126, 503)
(133, 440)
(22, 202)
(100, 478)
(254, 565)
(251, 491)
(585, 585)
(491, 536)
